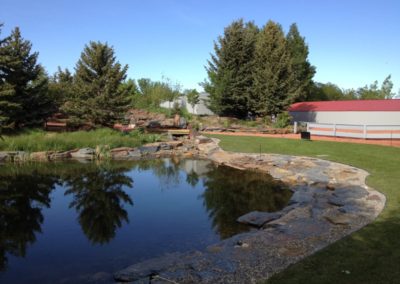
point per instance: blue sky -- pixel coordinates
(352, 42)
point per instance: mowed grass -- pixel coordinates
(39, 140)
(371, 255)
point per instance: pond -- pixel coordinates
(78, 223)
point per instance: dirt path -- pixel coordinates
(384, 142)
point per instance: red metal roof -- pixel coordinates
(353, 105)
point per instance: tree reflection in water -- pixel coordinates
(98, 198)
(22, 197)
(230, 193)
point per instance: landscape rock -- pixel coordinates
(19, 156)
(121, 153)
(4, 157)
(145, 150)
(154, 124)
(151, 267)
(202, 139)
(60, 155)
(301, 197)
(338, 218)
(257, 218)
(84, 153)
(40, 156)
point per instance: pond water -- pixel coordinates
(78, 223)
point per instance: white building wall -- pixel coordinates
(349, 117)
(199, 109)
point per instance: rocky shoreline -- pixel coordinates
(183, 148)
(329, 201)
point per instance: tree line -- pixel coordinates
(261, 71)
(257, 71)
(98, 92)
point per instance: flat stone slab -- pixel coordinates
(257, 218)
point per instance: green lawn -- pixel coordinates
(371, 255)
(39, 140)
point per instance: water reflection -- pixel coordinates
(230, 193)
(98, 198)
(101, 197)
(22, 197)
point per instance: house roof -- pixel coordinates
(352, 105)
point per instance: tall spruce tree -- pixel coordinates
(98, 98)
(61, 86)
(301, 67)
(230, 70)
(7, 106)
(273, 74)
(23, 84)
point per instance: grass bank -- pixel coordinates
(38, 140)
(371, 255)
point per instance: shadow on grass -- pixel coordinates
(371, 255)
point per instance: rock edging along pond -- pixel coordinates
(329, 201)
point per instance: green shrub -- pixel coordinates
(283, 120)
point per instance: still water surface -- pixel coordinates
(79, 223)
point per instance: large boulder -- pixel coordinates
(202, 139)
(146, 150)
(5, 157)
(84, 153)
(40, 156)
(61, 155)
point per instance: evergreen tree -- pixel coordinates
(7, 105)
(302, 69)
(61, 86)
(273, 74)
(23, 84)
(230, 70)
(130, 88)
(98, 98)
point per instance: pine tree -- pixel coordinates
(230, 70)
(301, 67)
(273, 74)
(98, 98)
(23, 84)
(7, 105)
(131, 89)
(61, 86)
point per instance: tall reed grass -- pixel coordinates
(39, 140)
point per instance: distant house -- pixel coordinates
(363, 112)
(199, 109)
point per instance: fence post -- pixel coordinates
(365, 131)
(295, 127)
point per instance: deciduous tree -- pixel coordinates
(193, 97)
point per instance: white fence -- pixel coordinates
(355, 131)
